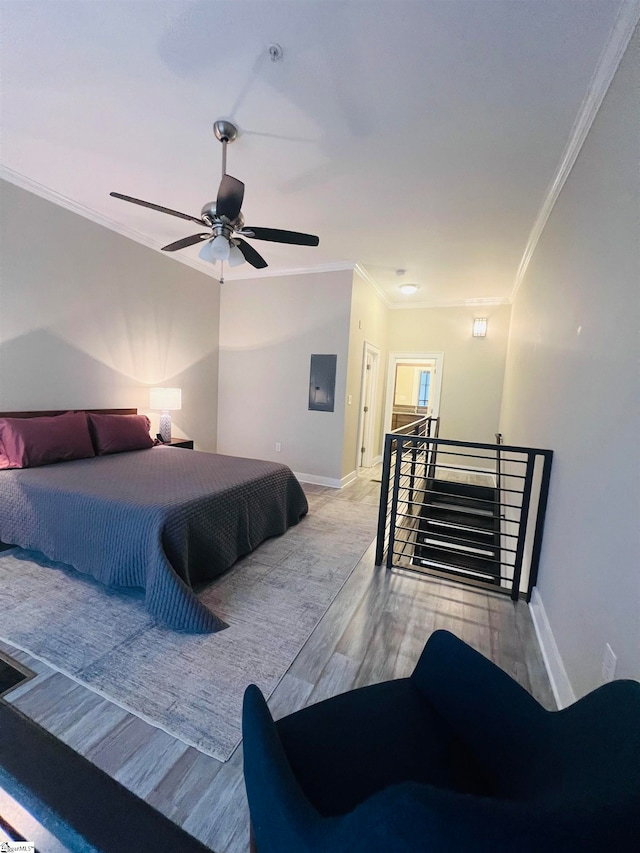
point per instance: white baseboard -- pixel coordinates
(377, 460)
(351, 476)
(560, 684)
(327, 481)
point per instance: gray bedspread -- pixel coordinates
(164, 519)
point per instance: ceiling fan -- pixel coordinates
(223, 218)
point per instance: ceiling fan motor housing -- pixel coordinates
(208, 214)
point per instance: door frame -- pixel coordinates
(366, 425)
(396, 358)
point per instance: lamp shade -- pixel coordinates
(220, 248)
(165, 399)
(235, 256)
(205, 252)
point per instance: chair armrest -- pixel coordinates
(486, 708)
(280, 813)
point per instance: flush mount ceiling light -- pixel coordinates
(408, 289)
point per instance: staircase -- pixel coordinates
(435, 519)
(458, 531)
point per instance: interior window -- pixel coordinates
(423, 391)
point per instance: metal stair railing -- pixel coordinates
(423, 427)
(468, 511)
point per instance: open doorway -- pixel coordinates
(413, 387)
(368, 407)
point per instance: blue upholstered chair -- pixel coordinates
(458, 758)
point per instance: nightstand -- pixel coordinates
(181, 442)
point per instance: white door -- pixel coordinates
(414, 384)
(368, 389)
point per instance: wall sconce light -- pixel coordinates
(480, 327)
(165, 399)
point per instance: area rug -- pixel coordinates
(189, 685)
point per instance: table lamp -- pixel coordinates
(167, 400)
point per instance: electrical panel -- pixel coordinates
(322, 383)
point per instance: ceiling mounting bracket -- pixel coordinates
(225, 131)
(275, 52)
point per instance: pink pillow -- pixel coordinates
(117, 433)
(30, 442)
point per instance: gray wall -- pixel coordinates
(90, 319)
(573, 385)
(269, 327)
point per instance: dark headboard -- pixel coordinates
(62, 411)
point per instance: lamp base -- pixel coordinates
(165, 427)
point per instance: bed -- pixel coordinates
(163, 519)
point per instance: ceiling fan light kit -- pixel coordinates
(224, 219)
(235, 255)
(220, 248)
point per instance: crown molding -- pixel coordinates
(619, 37)
(412, 305)
(64, 201)
(239, 273)
(205, 267)
(366, 276)
(479, 302)
(246, 271)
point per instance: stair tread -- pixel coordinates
(472, 507)
(448, 530)
(459, 539)
(457, 517)
(460, 559)
(487, 493)
(457, 571)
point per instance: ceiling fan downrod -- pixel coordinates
(225, 132)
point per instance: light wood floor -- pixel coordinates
(374, 630)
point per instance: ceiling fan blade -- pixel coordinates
(275, 235)
(158, 207)
(250, 255)
(186, 241)
(230, 195)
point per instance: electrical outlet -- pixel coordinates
(349, 398)
(278, 446)
(609, 662)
